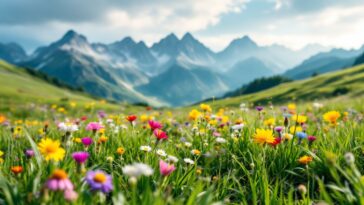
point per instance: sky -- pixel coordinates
(293, 23)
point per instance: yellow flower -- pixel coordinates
(213, 122)
(73, 104)
(102, 139)
(205, 107)
(331, 117)
(225, 119)
(287, 136)
(77, 140)
(305, 159)
(120, 150)
(295, 129)
(61, 110)
(299, 118)
(196, 152)
(292, 106)
(144, 118)
(221, 112)
(194, 114)
(262, 136)
(270, 122)
(51, 150)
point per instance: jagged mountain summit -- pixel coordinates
(174, 71)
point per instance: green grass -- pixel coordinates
(347, 83)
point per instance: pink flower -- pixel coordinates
(80, 157)
(165, 168)
(154, 125)
(160, 134)
(94, 126)
(87, 141)
(70, 195)
(59, 181)
(311, 138)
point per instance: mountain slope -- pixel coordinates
(74, 61)
(324, 62)
(18, 85)
(181, 86)
(348, 82)
(12, 52)
(246, 70)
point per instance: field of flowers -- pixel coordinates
(292, 154)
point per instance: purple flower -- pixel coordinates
(278, 129)
(99, 181)
(29, 153)
(87, 141)
(80, 157)
(94, 126)
(259, 108)
(102, 114)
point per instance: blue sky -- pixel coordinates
(293, 23)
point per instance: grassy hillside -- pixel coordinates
(18, 87)
(348, 83)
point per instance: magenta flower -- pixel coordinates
(154, 125)
(80, 157)
(259, 108)
(87, 141)
(311, 138)
(29, 153)
(278, 129)
(165, 168)
(99, 181)
(94, 126)
(59, 181)
(160, 134)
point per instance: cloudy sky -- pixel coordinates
(293, 23)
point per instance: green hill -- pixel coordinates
(20, 87)
(348, 82)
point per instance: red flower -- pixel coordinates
(276, 141)
(17, 169)
(131, 118)
(160, 134)
(83, 118)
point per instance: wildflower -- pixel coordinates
(70, 195)
(120, 150)
(237, 127)
(205, 107)
(67, 127)
(269, 122)
(29, 153)
(137, 169)
(51, 149)
(194, 114)
(302, 189)
(59, 181)
(262, 136)
(220, 140)
(188, 161)
(161, 153)
(198, 171)
(154, 125)
(101, 114)
(301, 135)
(102, 139)
(80, 157)
(305, 159)
(146, 148)
(160, 134)
(1, 156)
(99, 181)
(196, 152)
(87, 141)
(17, 169)
(349, 158)
(276, 141)
(299, 118)
(94, 126)
(311, 138)
(259, 108)
(188, 144)
(131, 118)
(294, 129)
(331, 117)
(2, 119)
(279, 129)
(172, 159)
(165, 168)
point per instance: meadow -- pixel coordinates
(78, 153)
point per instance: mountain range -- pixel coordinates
(171, 72)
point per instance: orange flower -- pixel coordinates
(305, 159)
(2, 119)
(17, 169)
